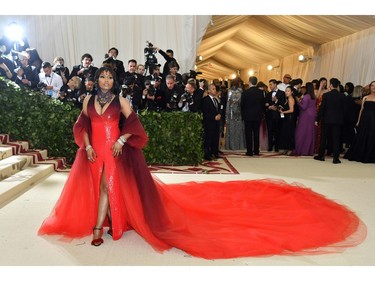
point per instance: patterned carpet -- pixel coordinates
(218, 166)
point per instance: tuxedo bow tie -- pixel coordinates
(48, 75)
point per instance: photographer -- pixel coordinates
(84, 69)
(172, 94)
(69, 92)
(118, 65)
(132, 67)
(173, 70)
(187, 100)
(168, 56)
(87, 88)
(132, 92)
(26, 74)
(49, 82)
(59, 68)
(155, 72)
(6, 65)
(152, 95)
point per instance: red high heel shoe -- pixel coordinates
(98, 241)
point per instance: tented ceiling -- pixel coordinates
(234, 43)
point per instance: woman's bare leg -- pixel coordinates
(103, 206)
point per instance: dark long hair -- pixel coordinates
(100, 71)
(310, 90)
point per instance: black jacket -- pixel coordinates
(252, 104)
(332, 109)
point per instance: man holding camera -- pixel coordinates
(153, 94)
(169, 57)
(118, 65)
(84, 69)
(26, 74)
(188, 100)
(49, 82)
(132, 67)
(132, 92)
(59, 68)
(6, 65)
(172, 94)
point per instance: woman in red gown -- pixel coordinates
(205, 219)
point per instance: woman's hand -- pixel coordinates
(91, 155)
(117, 149)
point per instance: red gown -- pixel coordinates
(205, 219)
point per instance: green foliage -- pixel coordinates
(175, 138)
(46, 123)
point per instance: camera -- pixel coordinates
(193, 74)
(186, 97)
(86, 71)
(150, 52)
(149, 87)
(173, 101)
(41, 86)
(60, 69)
(15, 55)
(126, 90)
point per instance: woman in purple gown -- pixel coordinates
(305, 134)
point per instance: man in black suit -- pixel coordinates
(26, 75)
(331, 115)
(211, 123)
(168, 55)
(118, 65)
(252, 108)
(274, 99)
(85, 69)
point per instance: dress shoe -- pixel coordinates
(319, 158)
(207, 158)
(248, 154)
(256, 153)
(217, 156)
(336, 161)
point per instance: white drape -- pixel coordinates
(350, 59)
(72, 36)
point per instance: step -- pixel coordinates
(5, 151)
(18, 146)
(4, 138)
(13, 164)
(17, 184)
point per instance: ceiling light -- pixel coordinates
(303, 58)
(270, 67)
(199, 58)
(234, 76)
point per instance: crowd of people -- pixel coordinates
(322, 117)
(284, 116)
